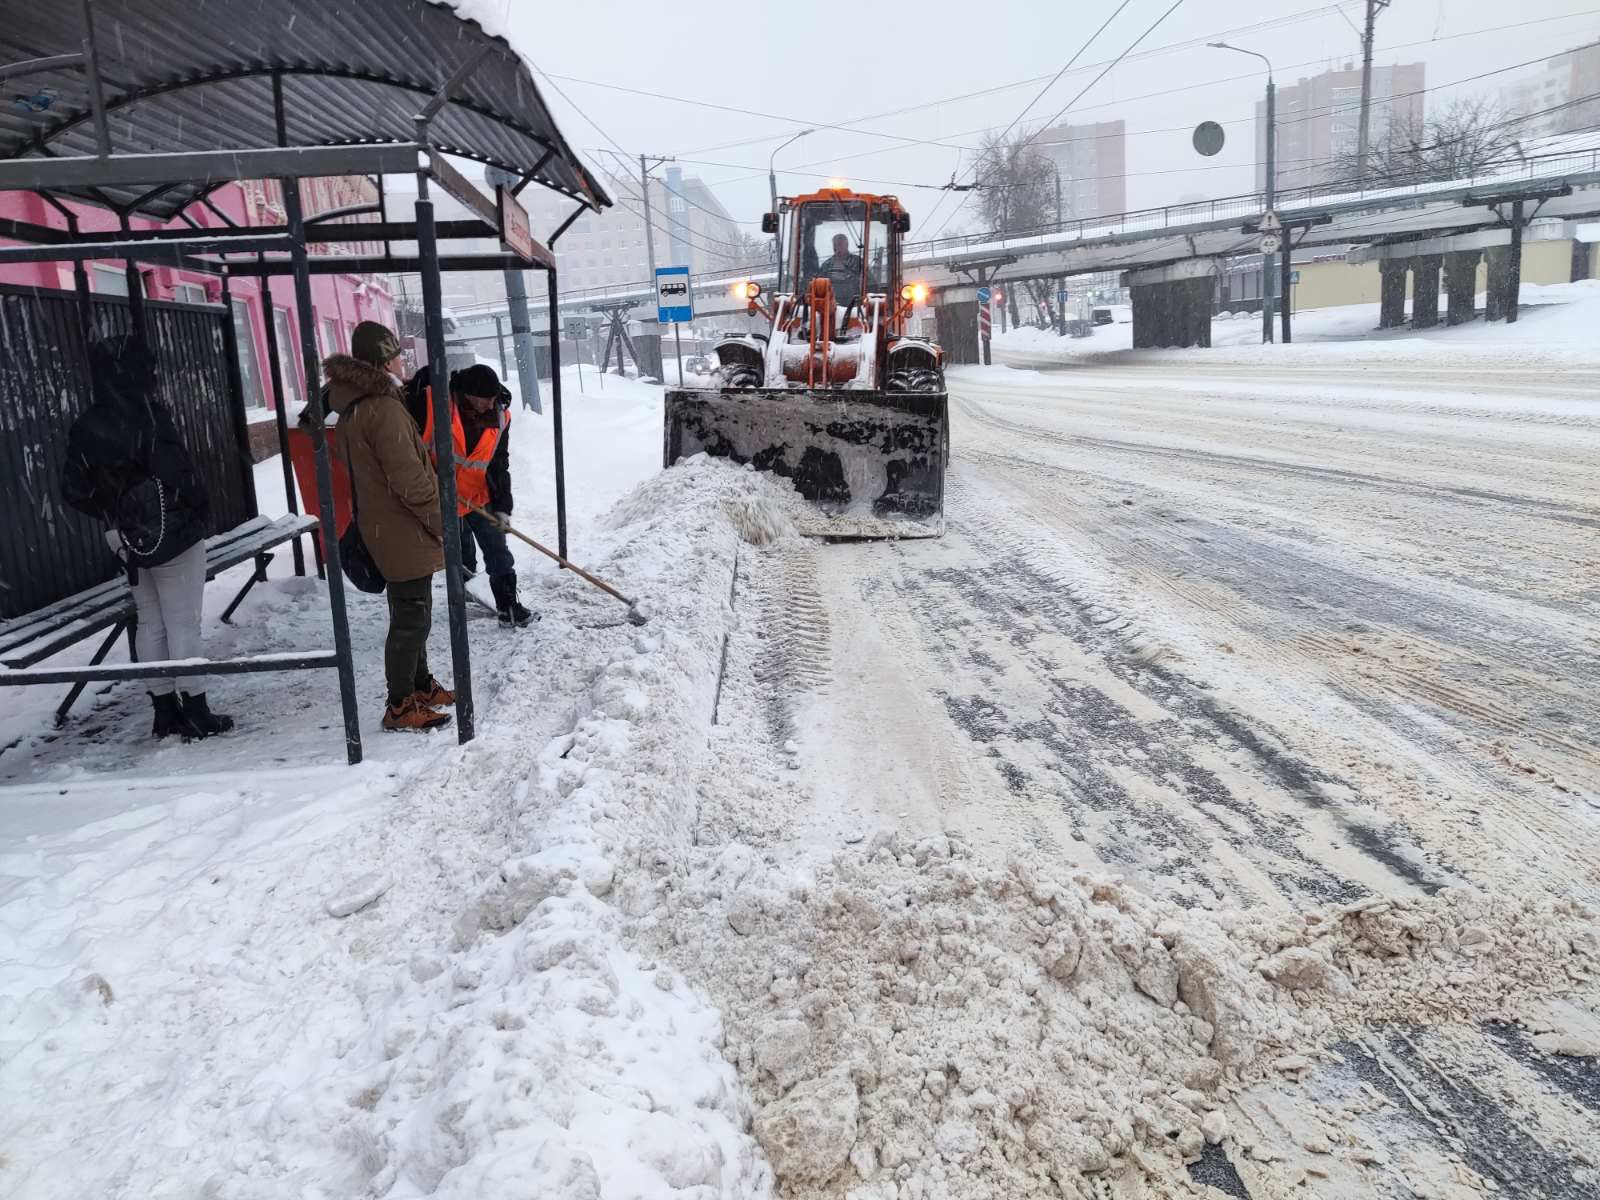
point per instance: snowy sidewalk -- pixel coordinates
(403, 979)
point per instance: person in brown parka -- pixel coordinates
(397, 507)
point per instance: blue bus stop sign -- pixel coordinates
(674, 302)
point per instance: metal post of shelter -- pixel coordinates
(555, 413)
(329, 532)
(135, 281)
(230, 354)
(280, 415)
(445, 459)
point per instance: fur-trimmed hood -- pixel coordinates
(350, 379)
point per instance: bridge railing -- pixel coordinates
(1248, 204)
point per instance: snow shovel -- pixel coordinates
(634, 615)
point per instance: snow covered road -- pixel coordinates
(1252, 639)
(1332, 635)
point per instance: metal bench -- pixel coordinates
(39, 635)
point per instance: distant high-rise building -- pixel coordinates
(1319, 121)
(690, 227)
(1562, 97)
(1092, 163)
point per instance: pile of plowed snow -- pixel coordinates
(914, 1024)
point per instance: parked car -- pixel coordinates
(1102, 316)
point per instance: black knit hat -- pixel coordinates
(478, 380)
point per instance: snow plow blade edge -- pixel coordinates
(871, 463)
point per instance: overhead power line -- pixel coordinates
(1083, 91)
(1259, 26)
(756, 170)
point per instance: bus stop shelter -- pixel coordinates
(146, 107)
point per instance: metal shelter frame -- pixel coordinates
(485, 107)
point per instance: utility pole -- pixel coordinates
(644, 187)
(1374, 7)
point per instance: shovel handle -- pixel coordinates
(549, 553)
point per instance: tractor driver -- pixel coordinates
(843, 269)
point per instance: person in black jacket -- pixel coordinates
(480, 405)
(127, 466)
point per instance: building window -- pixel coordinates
(244, 332)
(189, 293)
(110, 281)
(288, 360)
(330, 336)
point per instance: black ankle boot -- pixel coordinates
(198, 715)
(168, 715)
(510, 611)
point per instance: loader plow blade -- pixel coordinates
(872, 464)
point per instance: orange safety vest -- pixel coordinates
(472, 470)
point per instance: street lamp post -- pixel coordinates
(1272, 171)
(772, 184)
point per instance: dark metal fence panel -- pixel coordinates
(47, 549)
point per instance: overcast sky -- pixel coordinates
(847, 63)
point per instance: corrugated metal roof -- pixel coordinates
(190, 75)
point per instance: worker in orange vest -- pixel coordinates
(480, 434)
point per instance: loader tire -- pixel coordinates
(920, 380)
(739, 375)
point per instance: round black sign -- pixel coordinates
(1208, 138)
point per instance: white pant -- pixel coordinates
(167, 599)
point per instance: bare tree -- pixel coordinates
(1469, 135)
(1016, 184)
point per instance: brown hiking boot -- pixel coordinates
(435, 695)
(411, 715)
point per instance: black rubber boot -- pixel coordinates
(168, 715)
(200, 719)
(510, 611)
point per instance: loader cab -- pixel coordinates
(851, 239)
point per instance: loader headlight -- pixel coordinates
(747, 289)
(914, 293)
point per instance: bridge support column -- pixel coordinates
(1461, 285)
(1425, 290)
(1498, 261)
(1392, 292)
(1172, 304)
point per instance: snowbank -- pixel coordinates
(1024, 1031)
(1555, 325)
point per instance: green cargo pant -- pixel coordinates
(405, 653)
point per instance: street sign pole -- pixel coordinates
(576, 331)
(677, 344)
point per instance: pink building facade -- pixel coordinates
(338, 301)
